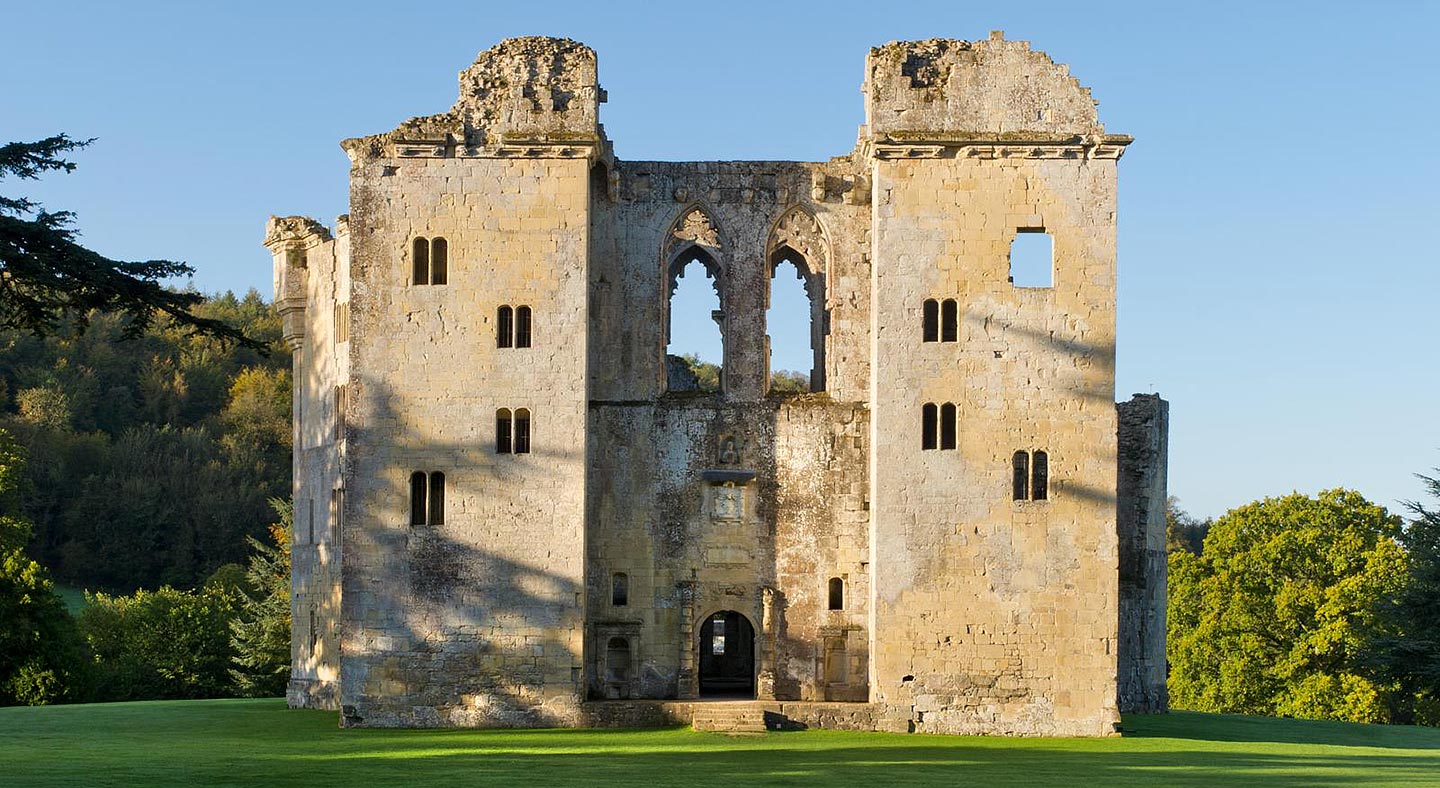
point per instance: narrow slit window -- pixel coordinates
(837, 593)
(931, 320)
(522, 326)
(522, 431)
(420, 259)
(502, 431)
(504, 327)
(947, 426)
(340, 412)
(437, 498)
(949, 322)
(439, 261)
(1032, 259)
(1040, 484)
(619, 589)
(1020, 477)
(928, 418)
(417, 498)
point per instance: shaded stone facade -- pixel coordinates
(512, 507)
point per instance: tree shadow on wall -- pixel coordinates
(456, 632)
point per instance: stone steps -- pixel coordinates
(729, 717)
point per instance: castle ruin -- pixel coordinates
(513, 509)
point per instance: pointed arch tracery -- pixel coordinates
(798, 238)
(693, 237)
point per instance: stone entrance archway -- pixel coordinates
(727, 656)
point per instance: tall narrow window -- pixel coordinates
(1020, 476)
(340, 412)
(437, 498)
(420, 258)
(439, 261)
(795, 324)
(522, 326)
(931, 320)
(837, 593)
(417, 498)
(947, 426)
(337, 523)
(928, 418)
(1040, 486)
(342, 322)
(502, 432)
(619, 589)
(504, 327)
(694, 340)
(522, 431)
(949, 321)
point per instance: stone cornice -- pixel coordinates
(1000, 146)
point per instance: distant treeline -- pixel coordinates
(148, 462)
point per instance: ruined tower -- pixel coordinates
(513, 508)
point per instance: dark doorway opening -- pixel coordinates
(727, 656)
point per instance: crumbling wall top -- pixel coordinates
(532, 89)
(942, 88)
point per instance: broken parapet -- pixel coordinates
(533, 90)
(943, 88)
(290, 239)
(1144, 429)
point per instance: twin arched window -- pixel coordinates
(430, 261)
(941, 321)
(1030, 481)
(512, 326)
(938, 426)
(512, 431)
(427, 498)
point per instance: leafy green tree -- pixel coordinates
(50, 280)
(1280, 611)
(1183, 531)
(707, 375)
(161, 644)
(260, 632)
(40, 654)
(789, 382)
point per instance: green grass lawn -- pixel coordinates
(261, 743)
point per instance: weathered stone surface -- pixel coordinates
(957, 608)
(1144, 424)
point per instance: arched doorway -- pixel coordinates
(727, 655)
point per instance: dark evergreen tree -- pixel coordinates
(260, 632)
(48, 280)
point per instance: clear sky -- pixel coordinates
(1278, 265)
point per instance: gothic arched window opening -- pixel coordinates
(694, 335)
(796, 308)
(429, 261)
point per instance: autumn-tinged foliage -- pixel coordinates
(150, 459)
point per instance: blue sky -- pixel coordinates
(1279, 272)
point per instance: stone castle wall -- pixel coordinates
(963, 610)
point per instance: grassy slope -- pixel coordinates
(255, 743)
